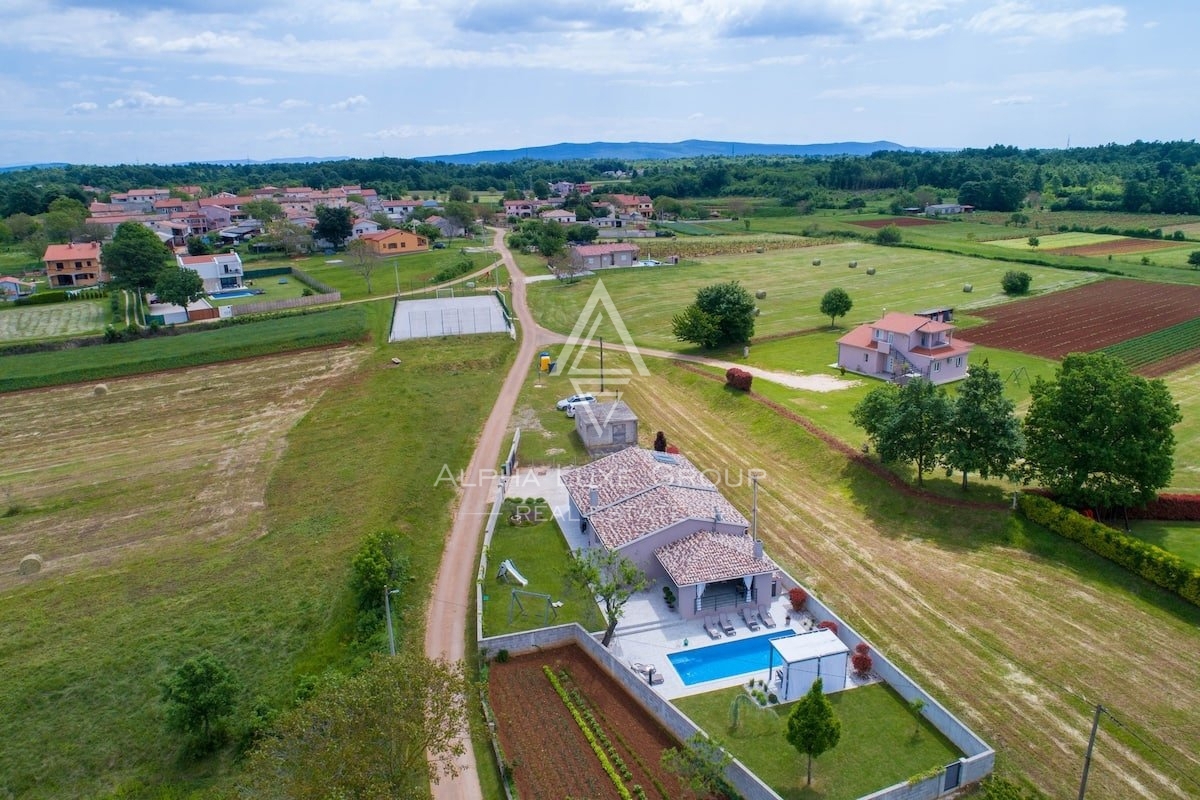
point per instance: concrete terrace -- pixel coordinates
(649, 632)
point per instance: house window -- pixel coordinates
(890, 335)
(866, 357)
(937, 366)
(958, 361)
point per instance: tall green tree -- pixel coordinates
(984, 434)
(388, 732)
(334, 225)
(836, 303)
(135, 257)
(812, 727)
(729, 306)
(610, 576)
(200, 693)
(179, 286)
(263, 210)
(1098, 436)
(908, 425)
(696, 326)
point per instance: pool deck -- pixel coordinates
(649, 631)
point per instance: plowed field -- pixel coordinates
(899, 222)
(1089, 318)
(550, 755)
(1115, 247)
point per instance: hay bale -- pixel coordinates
(761, 294)
(30, 564)
(100, 390)
(816, 262)
(870, 270)
(853, 264)
(968, 287)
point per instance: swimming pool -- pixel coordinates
(725, 660)
(229, 294)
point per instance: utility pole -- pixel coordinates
(387, 607)
(601, 365)
(1087, 758)
(754, 509)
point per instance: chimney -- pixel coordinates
(593, 498)
(758, 550)
(716, 515)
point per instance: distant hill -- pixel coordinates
(691, 148)
(19, 167)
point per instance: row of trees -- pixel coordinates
(1096, 435)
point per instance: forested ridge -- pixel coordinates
(1161, 177)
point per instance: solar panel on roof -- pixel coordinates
(664, 458)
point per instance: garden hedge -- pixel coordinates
(1153, 563)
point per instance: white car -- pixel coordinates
(569, 403)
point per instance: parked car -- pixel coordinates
(439, 245)
(569, 403)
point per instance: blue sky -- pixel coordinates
(86, 81)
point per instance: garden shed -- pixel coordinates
(806, 657)
(606, 427)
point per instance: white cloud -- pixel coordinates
(143, 99)
(82, 108)
(1021, 20)
(240, 80)
(292, 102)
(349, 104)
(1014, 100)
(307, 131)
(415, 131)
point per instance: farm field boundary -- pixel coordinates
(1087, 318)
(899, 222)
(1176, 346)
(1115, 247)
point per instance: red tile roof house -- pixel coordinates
(603, 256)
(219, 271)
(662, 513)
(905, 345)
(75, 264)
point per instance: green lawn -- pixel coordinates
(883, 743)
(905, 279)
(53, 320)
(411, 272)
(1180, 538)
(275, 287)
(540, 554)
(166, 352)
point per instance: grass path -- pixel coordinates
(1016, 631)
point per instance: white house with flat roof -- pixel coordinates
(218, 271)
(804, 658)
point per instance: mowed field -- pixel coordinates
(25, 323)
(905, 280)
(1017, 631)
(1086, 318)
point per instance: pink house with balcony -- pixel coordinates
(901, 346)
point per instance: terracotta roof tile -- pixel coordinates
(710, 556)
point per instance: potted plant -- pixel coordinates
(669, 597)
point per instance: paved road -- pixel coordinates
(446, 626)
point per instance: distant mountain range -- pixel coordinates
(569, 151)
(690, 148)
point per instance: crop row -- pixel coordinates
(1158, 345)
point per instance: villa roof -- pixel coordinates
(711, 556)
(72, 252)
(605, 249)
(639, 492)
(896, 322)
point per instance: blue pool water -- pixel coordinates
(725, 660)
(229, 294)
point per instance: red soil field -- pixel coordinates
(899, 222)
(540, 738)
(1089, 318)
(1114, 247)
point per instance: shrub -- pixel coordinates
(828, 624)
(1016, 282)
(889, 235)
(861, 660)
(502, 656)
(41, 298)
(738, 378)
(798, 598)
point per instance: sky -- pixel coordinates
(144, 81)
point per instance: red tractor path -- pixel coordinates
(1086, 319)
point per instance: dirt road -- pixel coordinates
(445, 632)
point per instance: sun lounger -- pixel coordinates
(647, 671)
(751, 618)
(727, 624)
(711, 628)
(767, 619)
